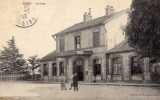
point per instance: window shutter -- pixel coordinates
(61, 45)
(96, 39)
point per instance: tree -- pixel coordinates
(143, 29)
(11, 59)
(33, 64)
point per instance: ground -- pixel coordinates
(39, 91)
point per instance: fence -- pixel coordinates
(12, 76)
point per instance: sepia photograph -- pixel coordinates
(79, 49)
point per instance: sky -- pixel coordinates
(52, 16)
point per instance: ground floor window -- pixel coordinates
(107, 65)
(54, 69)
(156, 68)
(155, 72)
(61, 68)
(136, 69)
(135, 66)
(117, 66)
(96, 67)
(45, 70)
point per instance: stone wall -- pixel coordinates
(126, 66)
(86, 36)
(125, 58)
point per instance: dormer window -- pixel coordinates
(77, 42)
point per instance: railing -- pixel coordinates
(12, 76)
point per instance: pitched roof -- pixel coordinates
(91, 23)
(49, 57)
(122, 47)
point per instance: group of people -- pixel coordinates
(73, 83)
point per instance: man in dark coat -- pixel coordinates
(75, 82)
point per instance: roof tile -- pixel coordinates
(121, 47)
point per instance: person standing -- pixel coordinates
(71, 82)
(63, 83)
(75, 82)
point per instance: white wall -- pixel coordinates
(110, 35)
(115, 34)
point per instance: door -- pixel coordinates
(78, 68)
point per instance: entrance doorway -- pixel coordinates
(97, 69)
(136, 70)
(78, 67)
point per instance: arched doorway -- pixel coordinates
(78, 67)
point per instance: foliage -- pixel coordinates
(10, 58)
(33, 64)
(143, 29)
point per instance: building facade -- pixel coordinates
(96, 50)
(124, 64)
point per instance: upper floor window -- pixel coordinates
(77, 42)
(96, 38)
(61, 43)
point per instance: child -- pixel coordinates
(63, 83)
(71, 83)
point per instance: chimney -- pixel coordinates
(87, 16)
(109, 10)
(89, 11)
